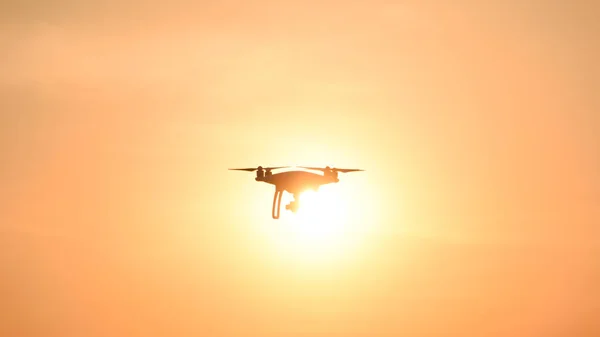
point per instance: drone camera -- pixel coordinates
(293, 206)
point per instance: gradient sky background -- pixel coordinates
(478, 125)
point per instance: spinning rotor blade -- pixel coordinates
(332, 169)
(346, 170)
(258, 168)
(244, 169)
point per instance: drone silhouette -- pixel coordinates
(294, 182)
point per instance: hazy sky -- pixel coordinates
(478, 125)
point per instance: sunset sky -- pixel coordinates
(478, 125)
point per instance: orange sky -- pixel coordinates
(478, 126)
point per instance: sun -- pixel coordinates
(319, 233)
(332, 228)
(321, 215)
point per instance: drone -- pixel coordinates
(294, 182)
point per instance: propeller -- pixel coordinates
(331, 169)
(258, 168)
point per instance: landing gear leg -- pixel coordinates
(277, 203)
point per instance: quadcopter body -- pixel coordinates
(295, 182)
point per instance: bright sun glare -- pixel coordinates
(321, 215)
(320, 230)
